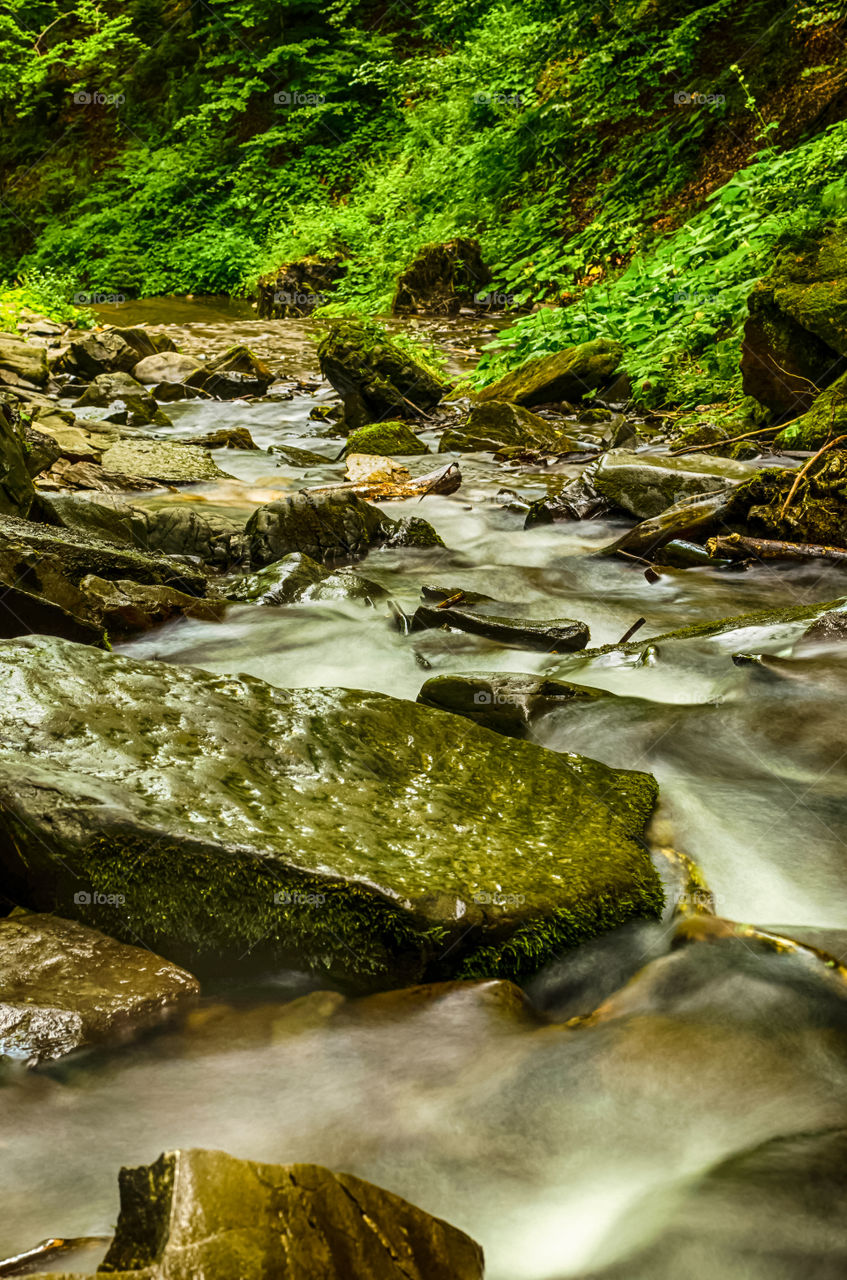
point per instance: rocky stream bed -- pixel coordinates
(443, 792)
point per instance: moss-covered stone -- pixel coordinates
(826, 420)
(566, 375)
(374, 375)
(795, 339)
(497, 424)
(238, 372)
(350, 832)
(329, 527)
(17, 492)
(441, 279)
(817, 512)
(387, 439)
(204, 1213)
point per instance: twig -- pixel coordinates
(695, 448)
(636, 626)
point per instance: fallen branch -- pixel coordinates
(445, 480)
(738, 547)
(830, 444)
(22, 1261)
(748, 435)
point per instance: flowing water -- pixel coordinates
(561, 1150)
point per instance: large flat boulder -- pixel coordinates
(566, 375)
(204, 1213)
(169, 528)
(63, 986)
(350, 832)
(22, 363)
(646, 484)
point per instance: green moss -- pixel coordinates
(826, 420)
(391, 439)
(816, 513)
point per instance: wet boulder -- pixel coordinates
(298, 577)
(646, 484)
(108, 351)
(226, 438)
(123, 607)
(169, 528)
(374, 376)
(22, 363)
(504, 701)
(238, 372)
(41, 450)
(197, 1212)
(795, 338)
(566, 375)
(128, 402)
(441, 279)
(63, 986)
(329, 527)
(297, 814)
(165, 366)
(17, 492)
(388, 439)
(497, 423)
(689, 519)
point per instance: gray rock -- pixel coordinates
(166, 366)
(551, 635)
(127, 400)
(204, 1213)
(63, 985)
(496, 424)
(646, 484)
(168, 528)
(297, 814)
(329, 527)
(167, 461)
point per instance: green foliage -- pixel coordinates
(45, 293)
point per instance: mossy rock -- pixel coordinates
(441, 279)
(817, 512)
(374, 376)
(795, 338)
(719, 438)
(165, 527)
(361, 836)
(566, 375)
(826, 420)
(386, 439)
(498, 424)
(17, 492)
(331, 528)
(647, 484)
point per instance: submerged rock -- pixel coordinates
(496, 424)
(689, 519)
(566, 375)
(296, 818)
(390, 439)
(441, 279)
(63, 986)
(375, 378)
(551, 635)
(506, 702)
(298, 577)
(166, 461)
(329, 527)
(204, 1213)
(645, 484)
(226, 438)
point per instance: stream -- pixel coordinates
(562, 1150)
